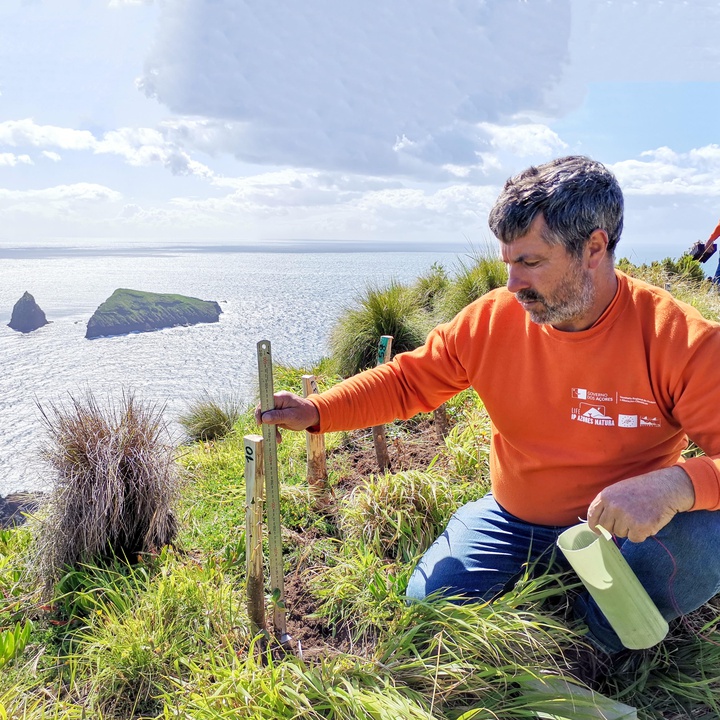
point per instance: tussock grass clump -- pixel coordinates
(679, 677)
(684, 278)
(360, 592)
(479, 660)
(473, 279)
(137, 636)
(468, 444)
(430, 287)
(703, 296)
(393, 310)
(209, 419)
(339, 688)
(115, 483)
(400, 515)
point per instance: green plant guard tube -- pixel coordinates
(614, 586)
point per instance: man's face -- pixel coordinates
(554, 287)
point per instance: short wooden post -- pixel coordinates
(381, 451)
(254, 484)
(441, 422)
(315, 444)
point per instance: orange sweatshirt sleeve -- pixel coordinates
(416, 381)
(696, 410)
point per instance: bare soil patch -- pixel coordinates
(411, 446)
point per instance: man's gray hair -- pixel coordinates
(575, 195)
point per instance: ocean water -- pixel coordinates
(291, 299)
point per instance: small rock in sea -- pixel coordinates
(27, 315)
(13, 507)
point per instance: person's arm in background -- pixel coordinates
(714, 235)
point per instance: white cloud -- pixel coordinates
(63, 194)
(528, 140)
(137, 146)
(10, 160)
(144, 146)
(301, 204)
(50, 155)
(665, 172)
(17, 133)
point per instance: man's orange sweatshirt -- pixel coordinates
(571, 412)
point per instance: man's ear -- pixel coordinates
(596, 248)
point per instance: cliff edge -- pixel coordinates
(127, 311)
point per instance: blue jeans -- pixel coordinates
(484, 548)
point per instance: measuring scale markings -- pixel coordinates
(272, 490)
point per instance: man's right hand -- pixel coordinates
(291, 412)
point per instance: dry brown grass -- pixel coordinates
(115, 483)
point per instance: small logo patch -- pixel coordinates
(628, 421)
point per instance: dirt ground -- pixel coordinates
(352, 464)
(410, 447)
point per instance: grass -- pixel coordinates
(393, 310)
(473, 278)
(167, 636)
(208, 419)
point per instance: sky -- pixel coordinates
(386, 123)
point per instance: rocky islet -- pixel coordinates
(27, 315)
(127, 311)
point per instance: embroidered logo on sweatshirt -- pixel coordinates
(592, 415)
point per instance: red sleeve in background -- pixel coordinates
(715, 234)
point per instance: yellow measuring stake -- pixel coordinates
(272, 494)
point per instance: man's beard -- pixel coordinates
(570, 300)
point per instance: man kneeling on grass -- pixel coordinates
(593, 382)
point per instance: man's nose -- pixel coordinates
(516, 280)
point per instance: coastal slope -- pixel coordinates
(127, 311)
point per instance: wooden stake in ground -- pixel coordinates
(254, 480)
(272, 494)
(381, 451)
(441, 422)
(315, 444)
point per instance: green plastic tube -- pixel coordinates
(614, 586)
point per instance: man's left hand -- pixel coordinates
(640, 506)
